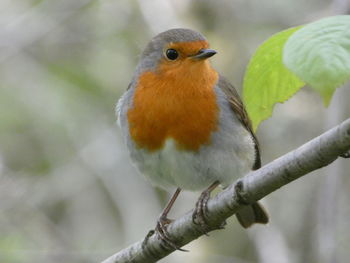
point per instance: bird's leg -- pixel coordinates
(163, 220)
(200, 212)
(162, 223)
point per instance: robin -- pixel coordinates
(185, 125)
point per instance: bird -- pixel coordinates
(185, 126)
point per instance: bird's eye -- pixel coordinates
(171, 54)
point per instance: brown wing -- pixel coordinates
(238, 107)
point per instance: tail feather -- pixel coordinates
(252, 214)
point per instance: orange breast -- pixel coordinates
(175, 102)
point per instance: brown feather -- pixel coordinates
(242, 115)
(254, 213)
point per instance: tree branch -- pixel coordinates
(317, 153)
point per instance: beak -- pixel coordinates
(204, 54)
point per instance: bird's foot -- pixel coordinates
(162, 233)
(161, 227)
(200, 213)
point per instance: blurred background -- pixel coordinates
(68, 192)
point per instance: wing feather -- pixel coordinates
(242, 115)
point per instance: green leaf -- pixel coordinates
(319, 54)
(267, 81)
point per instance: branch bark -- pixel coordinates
(315, 154)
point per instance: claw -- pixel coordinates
(162, 233)
(161, 227)
(200, 214)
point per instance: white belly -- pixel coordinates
(171, 167)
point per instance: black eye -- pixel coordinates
(171, 54)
